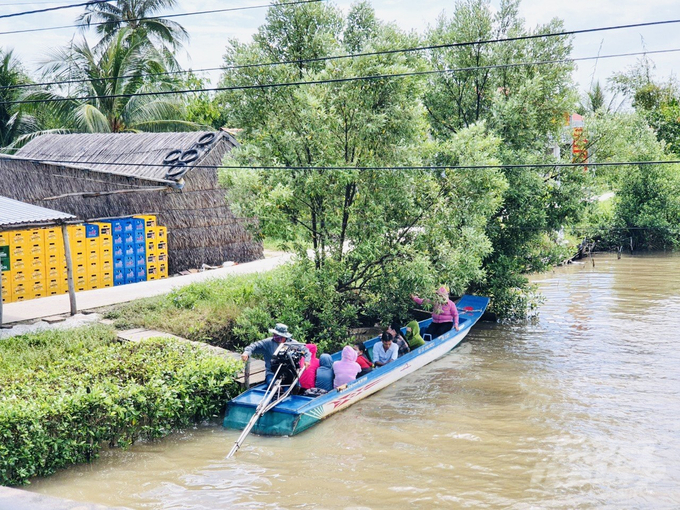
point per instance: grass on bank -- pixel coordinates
(65, 394)
(226, 312)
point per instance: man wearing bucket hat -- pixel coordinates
(268, 346)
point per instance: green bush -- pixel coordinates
(65, 394)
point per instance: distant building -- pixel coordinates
(170, 175)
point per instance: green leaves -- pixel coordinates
(65, 394)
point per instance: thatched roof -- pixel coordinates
(125, 154)
(15, 214)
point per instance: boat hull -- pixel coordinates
(298, 413)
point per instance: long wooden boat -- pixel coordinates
(297, 413)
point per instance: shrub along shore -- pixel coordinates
(66, 394)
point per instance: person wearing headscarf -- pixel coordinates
(444, 312)
(308, 377)
(413, 335)
(347, 368)
(324, 374)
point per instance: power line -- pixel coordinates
(328, 80)
(193, 13)
(362, 168)
(354, 55)
(304, 61)
(48, 9)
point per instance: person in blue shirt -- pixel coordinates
(385, 351)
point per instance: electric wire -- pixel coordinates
(322, 59)
(58, 8)
(361, 168)
(193, 13)
(324, 81)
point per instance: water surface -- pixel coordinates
(578, 409)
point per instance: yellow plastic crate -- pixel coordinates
(6, 286)
(149, 220)
(38, 289)
(54, 247)
(80, 282)
(106, 241)
(19, 276)
(92, 282)
(37, 274)
(106, 279)
(18, 264)
(53, 286)
(76, 232)
(20, 292)
(78, 257)
(52, 235)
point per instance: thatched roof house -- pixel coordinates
(170, 175)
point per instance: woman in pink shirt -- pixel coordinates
(444, 312)
(347, 368)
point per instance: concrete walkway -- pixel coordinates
(58, 305)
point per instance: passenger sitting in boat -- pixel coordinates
(395, 331)
(363, 358)
(308, 377)
(444, 312)
(385, 351)
(324, 374)
(347, 368)
(268, 346)
(413, 335)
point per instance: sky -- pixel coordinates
(210, 33)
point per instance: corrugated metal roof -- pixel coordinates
(120, 153)
(14, 214)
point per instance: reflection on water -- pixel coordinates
(577, 409)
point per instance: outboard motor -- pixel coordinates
(287, 356)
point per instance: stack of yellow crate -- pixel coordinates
(156, 248)
(55, 262)
(106, 255)
(5, 285)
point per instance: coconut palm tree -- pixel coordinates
(112, 77)
(13, 121)
(138, 15)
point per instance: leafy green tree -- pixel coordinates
(658, 102)
(111, 76)
(645, 209)
(523, 105)
(376, 235)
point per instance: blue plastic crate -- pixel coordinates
(138, 225)
(118, 264)
(129, 249)
(140, 273)
(116, 226)
(128, 226)
(129, 261)
(91, 230)
(118, 251)
(117, 238)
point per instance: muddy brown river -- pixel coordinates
(577, 409)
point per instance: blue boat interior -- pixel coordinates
(469, 308)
